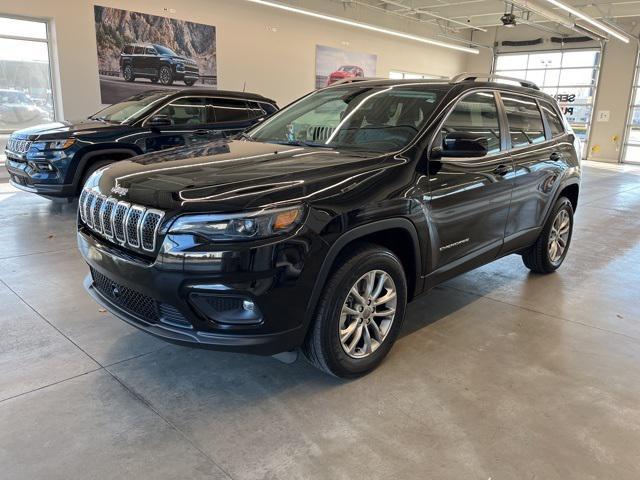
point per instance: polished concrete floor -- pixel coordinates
(499, 374)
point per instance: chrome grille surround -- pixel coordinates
(132, 226)
(16, 145)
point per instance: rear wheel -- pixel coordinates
(360, 313)
(127, 73)
(551, 248)
(165, 75)
(190, 82)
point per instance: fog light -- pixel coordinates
(248, 305)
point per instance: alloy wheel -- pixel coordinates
(367, 314)
(165, 75)
(559, 236)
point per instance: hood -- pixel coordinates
(237, 175)
(64, 129)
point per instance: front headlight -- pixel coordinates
(237, 227)
(55, 144)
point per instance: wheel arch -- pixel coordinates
(95, 155)
(397, 234)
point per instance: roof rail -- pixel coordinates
(354, 80)
(472, 77)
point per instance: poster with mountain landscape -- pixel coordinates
(138, 52)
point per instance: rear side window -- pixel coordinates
(256, 110)
(555, 123)
(150, 51)
(476, 113)
(139, 50)
(525, 120)
(228, 110)
(127, 50)
(186, 111)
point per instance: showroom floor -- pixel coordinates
(499, 374)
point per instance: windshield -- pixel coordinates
(164, 50)
(129, 109)
(379, 119)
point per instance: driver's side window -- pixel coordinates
(186, 111)
(476, 113)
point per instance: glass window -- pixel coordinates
(25, 74)
(127, 50)
(256, 110)
(525, 120)
(569, 76)
(138, 50)
(150, 51)
(375, 119)
(632, 140)
(186, 111)
(130, 109)
(229, 110)
(476, 113)
(555, 123)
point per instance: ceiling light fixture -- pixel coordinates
(365, 26)
(588, 19)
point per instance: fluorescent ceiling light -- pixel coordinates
(588, 19)
(366, 26)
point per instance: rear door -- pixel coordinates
(470, 197)
(537, 162)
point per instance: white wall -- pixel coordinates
(280, 65)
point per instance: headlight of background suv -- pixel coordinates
(238, 227)
(55, 144)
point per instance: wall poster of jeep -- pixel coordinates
(138, 52)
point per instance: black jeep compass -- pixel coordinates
(316, 227)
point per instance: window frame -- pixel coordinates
(501, 123)
(629, 125)
(545, 126)
(597, 67)
(52, 67)
(559, 115)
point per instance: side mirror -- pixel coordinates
(462, 145)
(159, 121)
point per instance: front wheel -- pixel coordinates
(189, 82)
(127, 73)
(165, 75)
(360, 313)
(551, 247)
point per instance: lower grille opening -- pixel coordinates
(138, 304)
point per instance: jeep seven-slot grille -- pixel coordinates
(16, 145)
(130, 225)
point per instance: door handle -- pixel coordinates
(555, 156)
(501, 170)
(202, 132)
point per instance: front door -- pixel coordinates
(469, 197)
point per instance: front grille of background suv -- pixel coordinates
(132, 226)
(16, 145)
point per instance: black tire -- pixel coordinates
(165, 74)
(322, 346)
(154, 79)
(127, 73)
(89, 171)
(189, 83)
(537, 258)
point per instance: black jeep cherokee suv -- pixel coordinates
(157, 63)
(317, 227)
(55, 159)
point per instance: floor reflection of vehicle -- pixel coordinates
(54, 159)
(18, 110)
(345, 71)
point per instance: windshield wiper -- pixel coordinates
(298, 143)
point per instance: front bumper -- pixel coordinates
(282, 303)
(46, 183)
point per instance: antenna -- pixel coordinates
(244, 86)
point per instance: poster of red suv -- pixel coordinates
(334, 64)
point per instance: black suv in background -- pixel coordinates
(55, 159)
(157, 63)
(317, 226)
